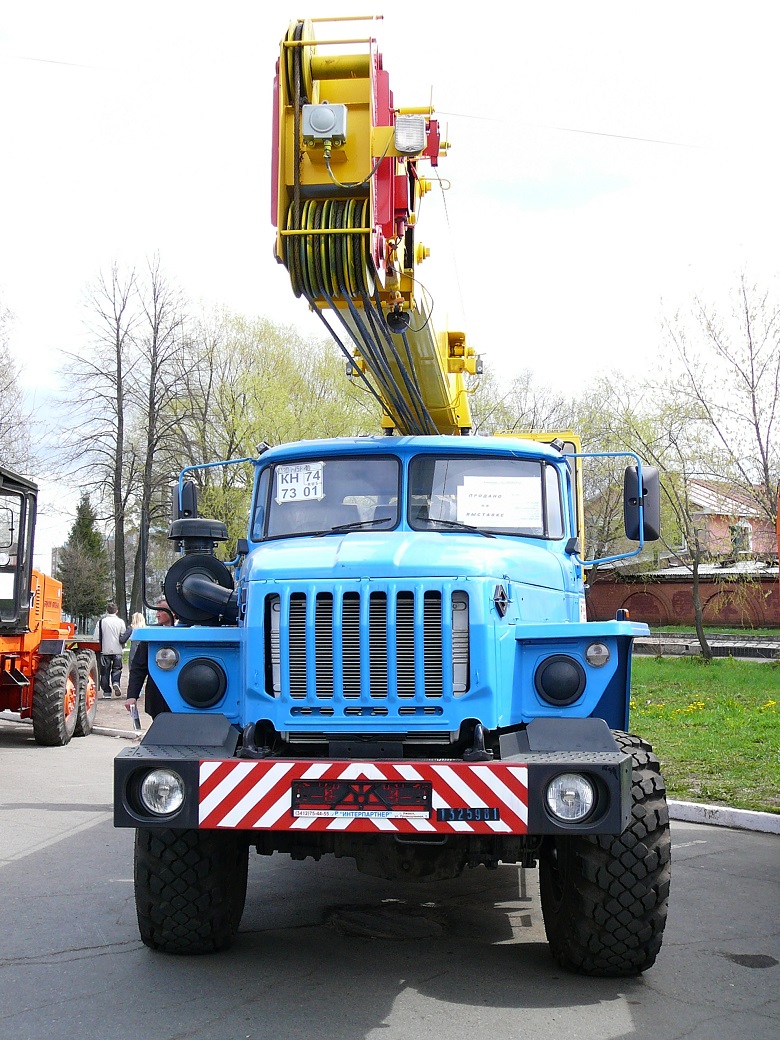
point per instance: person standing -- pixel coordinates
(136, 621)
(154, 702)
(111, 634)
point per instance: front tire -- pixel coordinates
(190, 888)
(55, 700)
(604, 898)
(89, 684)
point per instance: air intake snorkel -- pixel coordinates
(198, 587)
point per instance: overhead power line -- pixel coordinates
(569, 130)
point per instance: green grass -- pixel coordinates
(715, 727)
(714, 630)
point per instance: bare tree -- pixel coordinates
(98, 385)
(671, 433)
(517, 407)
(15, 419)
(156, 387)
(731, 371)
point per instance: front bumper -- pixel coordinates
(428, 797)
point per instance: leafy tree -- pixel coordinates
(603, 477)
(84, 568)
(249, 381)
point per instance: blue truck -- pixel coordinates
(397, 666)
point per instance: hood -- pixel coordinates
(361, 554)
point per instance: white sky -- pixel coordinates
(132, 128)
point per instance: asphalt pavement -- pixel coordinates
(325, 951)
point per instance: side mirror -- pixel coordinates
(189, 500)
(651, 503)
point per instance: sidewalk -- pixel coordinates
(747, 646)
(113, 720)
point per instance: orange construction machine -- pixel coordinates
(45, 674)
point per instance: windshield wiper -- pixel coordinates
(458, 525)
(354, 525)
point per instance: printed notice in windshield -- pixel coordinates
(501, 502)
(301, 482)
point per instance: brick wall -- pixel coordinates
(668, 600)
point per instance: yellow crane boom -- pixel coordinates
(346, 192)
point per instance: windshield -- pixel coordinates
(499, 495)
(10, 522)
(327, 496)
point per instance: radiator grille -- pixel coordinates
(372, 652)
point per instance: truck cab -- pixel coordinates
(389, 586)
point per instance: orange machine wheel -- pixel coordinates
(88, 685)
(56, 700)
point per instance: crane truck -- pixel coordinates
(45, 674)
(397, 667)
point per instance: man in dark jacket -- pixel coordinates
(154, 702)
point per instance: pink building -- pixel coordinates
(738, 582)
(732, 520)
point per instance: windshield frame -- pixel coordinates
(324, 522)
(546, 470)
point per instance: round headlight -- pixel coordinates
(162, 792)
(202, 683)
(560, 680)
(570, 797)
(597, 654)
(166, 658)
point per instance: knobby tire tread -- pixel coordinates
(87, 665)
(51, 726)
(190, 888)
(604, 898)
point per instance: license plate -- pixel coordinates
(351, 799)
(466, 814)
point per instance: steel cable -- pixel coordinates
(337, 265)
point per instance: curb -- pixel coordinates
(723, 816)
(108, 731)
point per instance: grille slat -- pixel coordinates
(402, 643)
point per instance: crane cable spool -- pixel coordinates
(337, 265)
(298, 79)
(327, 263)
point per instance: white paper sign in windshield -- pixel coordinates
(301, 482)
(501, 502)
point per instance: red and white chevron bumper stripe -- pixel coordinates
(274, 795)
